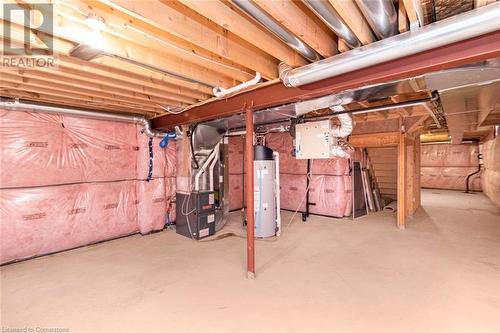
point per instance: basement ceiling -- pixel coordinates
(156, 57)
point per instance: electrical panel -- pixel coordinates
(313, 140)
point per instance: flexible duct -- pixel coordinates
(269, 23)
(468, 25)
(345, 127)
(341, 148)
(17, 106)
(329, 16)
(381, 16)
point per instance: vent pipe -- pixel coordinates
(329, 16)
(464, 26)
(269, 23)
(381, 16)
(28, 107)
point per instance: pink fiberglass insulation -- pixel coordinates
(331, 167)
(280, 142)
(290, 165)
(448, 155)
(42, 220)
(450, 178)
(40, 149)
(159, 156)
(330, 195)
(491, 173)
(235, 158)
(446, 166)
(170, 188)
(293, 191)
(235, 192)
(491, 185)
(171, 212)
(171, 159)
(152, 205)
(283, 144)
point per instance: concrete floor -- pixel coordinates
(441, 274)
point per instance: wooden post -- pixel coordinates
(249, 194)
(401, 181)
(418, 189)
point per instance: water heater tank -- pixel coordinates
(265, 192)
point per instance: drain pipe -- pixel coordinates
(29, 107)
(381, 16)
(457, 28)
(284, 34)
(331, 18)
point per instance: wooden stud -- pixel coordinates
(401, 212)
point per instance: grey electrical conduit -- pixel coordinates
(21, 106)
(464, 26)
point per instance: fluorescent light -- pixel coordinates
(95, 22)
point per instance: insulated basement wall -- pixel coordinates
(330, 184)
(67, 182)
(446, 166)
(490, 177)
(236, 146)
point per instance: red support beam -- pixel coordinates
(249, 194)
(273, 94)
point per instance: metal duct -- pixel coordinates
(381, 15)
(468, 25)
(28, 107)
(269, 23)
(331, 18)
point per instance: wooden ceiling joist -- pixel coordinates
(198, 31)
(309, 29)
(156, 39)
(57, 100)
(93, 99)
(72, 88)
(352, 16)
(53, 77)
(225, 15)
(126, 71)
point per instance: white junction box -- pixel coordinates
(313, 140)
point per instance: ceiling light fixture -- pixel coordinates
(95, 22)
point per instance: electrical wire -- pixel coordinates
(192, 146)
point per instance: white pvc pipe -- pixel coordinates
(221, 92)
(212, 166)
(278, 198)
(202, 169)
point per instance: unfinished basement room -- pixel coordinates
(198, 166)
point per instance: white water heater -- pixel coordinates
(266, 192)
